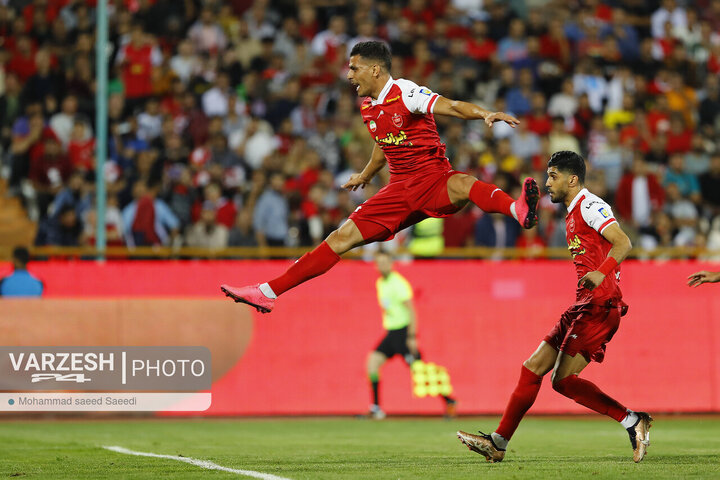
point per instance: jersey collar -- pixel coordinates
(582, 193)
(383, 92)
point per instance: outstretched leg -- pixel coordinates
(492, 199)
(310, 265)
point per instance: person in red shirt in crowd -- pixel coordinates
(225, 211)
(679, 137)
(554, 44)
(583, 117)
(48, 8)
(136, 60)
(49, 169)
(479, 46)
(639, 193)
(538, 120)
(636, 134)
(22, 62)
(420, 64)
(419, 12)
(309, 26)
(664, 46)
(658, 118)
(81, 149)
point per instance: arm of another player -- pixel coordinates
(470, 111)
(359, 180)
(698, 278)
(621, 246)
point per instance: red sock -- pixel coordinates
(520, 401)
(588, 394)
(490, 198)
(310, 265)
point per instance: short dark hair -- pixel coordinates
(569, 162)
(374, 50)
(21, 255)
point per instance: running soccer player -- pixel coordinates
(395, 296)
(698, 278)
(598, 245)
(399, 116)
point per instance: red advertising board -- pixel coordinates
(480, 319)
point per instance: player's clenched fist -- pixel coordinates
(591, 280)
(356, 181)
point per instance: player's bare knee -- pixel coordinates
(537, 365)
(341, 240)
(462, 187)
(530, 364)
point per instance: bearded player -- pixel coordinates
(598, 245)
(399, 116)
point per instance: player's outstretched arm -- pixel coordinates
(470, 111)
(621, 247)
(359, 180)
(698, 278)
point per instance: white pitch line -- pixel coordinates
(198, 463)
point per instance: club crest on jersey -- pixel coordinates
(397, 120)
(372, 125)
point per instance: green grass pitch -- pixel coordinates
(344, 448)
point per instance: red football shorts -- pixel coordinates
(586, 329)
(402, 203)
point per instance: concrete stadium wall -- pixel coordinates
(480, 319)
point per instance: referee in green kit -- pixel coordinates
(395, 296)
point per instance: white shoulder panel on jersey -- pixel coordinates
(417, 99)
(596, 213)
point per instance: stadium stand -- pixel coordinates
(211, 100)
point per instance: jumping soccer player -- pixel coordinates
(395, 297)
(598, 245)
(399, 116)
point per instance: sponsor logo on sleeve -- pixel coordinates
(425, 91)
(604, 212)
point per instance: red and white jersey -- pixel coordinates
(588, 216)
(402, 123)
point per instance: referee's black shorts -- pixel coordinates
(395, 342)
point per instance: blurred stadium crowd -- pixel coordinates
(231, 122)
